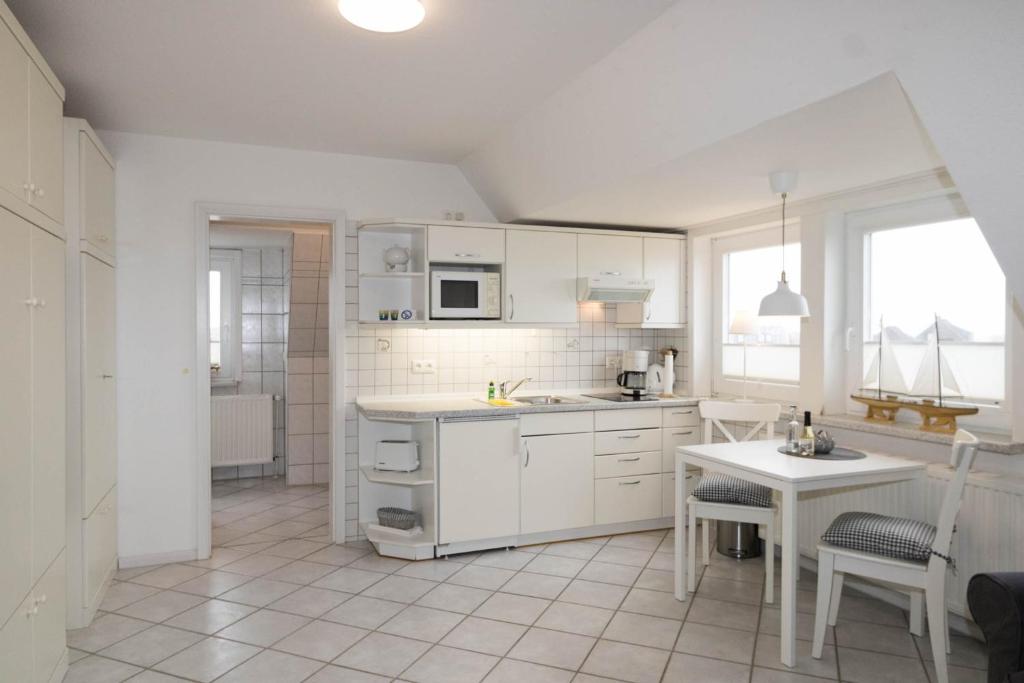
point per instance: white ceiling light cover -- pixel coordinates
(383, 16)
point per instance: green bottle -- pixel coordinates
(490, 390)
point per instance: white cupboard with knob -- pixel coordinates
(617, 255)
(92, 372)
(665, 263)
(540, 277)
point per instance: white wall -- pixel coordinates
(159, 180)
(705, 71)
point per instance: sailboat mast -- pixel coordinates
(881, 335)
(938, 357)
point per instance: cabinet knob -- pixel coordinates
(103, 238)
(31, 301)
(41, 599)
(39, 192)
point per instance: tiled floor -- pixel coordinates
(277, 603)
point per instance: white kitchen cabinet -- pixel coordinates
(672, 438)
(627, 464)
(96, 200)
(615, 255)
(48, 401)
(451, 244)
(627, 441)
(627, 418)
(31, 108)
(99, 429)
(627, 499)
(664, 262)
(15, 410)
(556, 482)
(540, 277)
(478, 472)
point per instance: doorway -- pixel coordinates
(269, 380)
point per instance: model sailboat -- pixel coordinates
(934, 381)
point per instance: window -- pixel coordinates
(932, 301)
(225, 316)
(746, 269)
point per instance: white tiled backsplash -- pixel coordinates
(467, 359)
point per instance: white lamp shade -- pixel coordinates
(784, 301)
(383, 16)
(745, 323)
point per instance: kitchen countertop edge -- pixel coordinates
(463, 407)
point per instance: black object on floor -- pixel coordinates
(996, 601)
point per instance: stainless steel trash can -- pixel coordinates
(738, 540)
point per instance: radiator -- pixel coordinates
(241, 430)
(989, 528)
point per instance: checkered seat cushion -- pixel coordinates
(721, 488)
(903, 539)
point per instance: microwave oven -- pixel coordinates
(456, 294)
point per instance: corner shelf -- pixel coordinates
(417, 478)
(418, 547)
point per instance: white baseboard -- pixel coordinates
(130, 561)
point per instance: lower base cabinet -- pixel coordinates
(556, 482)
(627, 499)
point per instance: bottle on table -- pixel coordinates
(793, 432)
(807, 436)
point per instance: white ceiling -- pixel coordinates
(293, 73)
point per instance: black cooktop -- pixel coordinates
(622, 398)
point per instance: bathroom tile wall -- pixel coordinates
(265, 285)
(377, 361)
(308, 365)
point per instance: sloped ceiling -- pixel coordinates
(690, 92)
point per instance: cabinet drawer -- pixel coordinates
(627, 499)
(627, 418)
(626, 464)
(556, 423)
(668, 490)
(99, 548)
(672, 437)
(449, 244)
(680, 417)
(627, 441)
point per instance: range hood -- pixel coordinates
(614, 289)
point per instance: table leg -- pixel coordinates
(790, 569)
(680, 530)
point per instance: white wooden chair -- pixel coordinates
(714, 414)
(927, 577)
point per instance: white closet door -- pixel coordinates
(48, 400)
(46, 145)
(97, 195)
(13, 115)
(15, 412)
(99, 464)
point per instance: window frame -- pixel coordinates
(859, 224)
(755, 238)
(229, 263)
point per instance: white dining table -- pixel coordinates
(762, 463)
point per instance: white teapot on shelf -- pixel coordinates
(396, 259)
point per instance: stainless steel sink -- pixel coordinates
(547, 400)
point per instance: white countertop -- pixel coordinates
(462, 405)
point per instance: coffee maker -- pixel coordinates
(633, 377)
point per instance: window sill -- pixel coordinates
(990, 443)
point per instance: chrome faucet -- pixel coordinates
(505, 392)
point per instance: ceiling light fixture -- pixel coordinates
(383, 16)
(784, 301)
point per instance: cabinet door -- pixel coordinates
(46, 145)
(13, 115)
(618, 255)
(627, 499)
(48, 403)
(98, 389)
(450, 244)
(478, 492)
(540, 276)
(16, 642)
(662, 263)
(97, 187)
(557, 482)
(48, 638)
(15, 411)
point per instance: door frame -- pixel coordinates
(337, 221)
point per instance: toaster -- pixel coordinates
(397, 456)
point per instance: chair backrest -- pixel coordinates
(965, 446)
(762, 414)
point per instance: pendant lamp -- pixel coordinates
(783, 301)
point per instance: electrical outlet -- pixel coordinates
(572, 344)
(423, 367)
(612, 362)
(383, 345)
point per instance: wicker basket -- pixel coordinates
(396, 518)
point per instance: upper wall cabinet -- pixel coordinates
(96, 184)
(31, 124)
(540, 277)
(616, 255)
(449, 244)
(665, 263)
